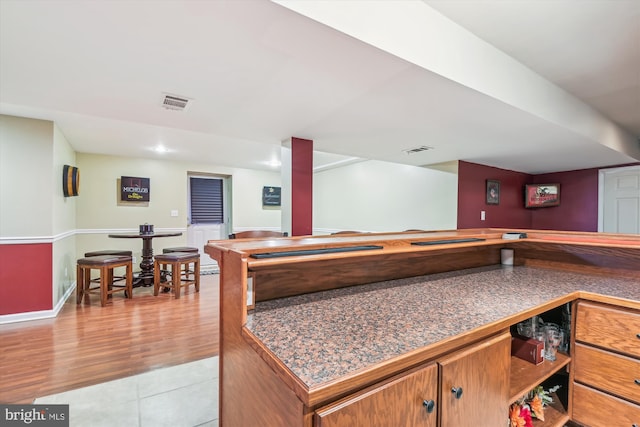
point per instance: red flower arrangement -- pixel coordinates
(522, 412)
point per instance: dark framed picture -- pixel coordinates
(134, 189)
(493, 192)
(541, 195)
(271, 196)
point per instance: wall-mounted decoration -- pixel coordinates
(134, 189)
(541, 195)
(493, 192)
(70, 181)
(271, 196)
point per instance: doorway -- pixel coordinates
(209, 213)
(619, 200)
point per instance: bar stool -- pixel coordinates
(180, 249)
(179, 278)
(106, 264)
(108, 252)
(113, 278)
(177, 249)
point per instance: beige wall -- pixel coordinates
(33, 208)
(63, 217)
(26, 168)
(248, 212)
(100, 212)
(382, 196)
(64, 208)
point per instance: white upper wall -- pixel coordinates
(382, 196)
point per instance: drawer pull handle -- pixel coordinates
(429, 405)
(638, 336)
(637, 381)
(457, 392)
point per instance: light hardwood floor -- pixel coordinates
(87, 344)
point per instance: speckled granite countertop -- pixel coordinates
(324, 336)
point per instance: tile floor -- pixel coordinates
(179, 396)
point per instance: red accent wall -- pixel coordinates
(578, 209)
(25, 278)
(510, 213)
(301, 186)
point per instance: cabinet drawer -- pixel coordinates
(609, 372)
(596, 409)
(394, 404)
(611, 328)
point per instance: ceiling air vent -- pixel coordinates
(174, 102)
(415, 150)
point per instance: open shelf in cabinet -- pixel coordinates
(554, 415)
(525, 375)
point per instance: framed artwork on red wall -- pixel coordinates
(541, 195)
(493, 192)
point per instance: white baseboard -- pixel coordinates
(42, 314)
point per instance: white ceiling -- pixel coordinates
(259, 73)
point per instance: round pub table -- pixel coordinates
(145, 277)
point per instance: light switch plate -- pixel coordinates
(174, 213)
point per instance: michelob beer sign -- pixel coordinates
(134, 189)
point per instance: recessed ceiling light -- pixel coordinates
(160, 149)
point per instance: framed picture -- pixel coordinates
(493, 192)
(271, 196)
(541, 195)
(134, 189)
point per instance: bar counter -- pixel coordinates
(338, 318)
(324, 336)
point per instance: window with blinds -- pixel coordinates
(206, 200)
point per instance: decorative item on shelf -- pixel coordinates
(514, 235)
(522, 412)
(146, 228)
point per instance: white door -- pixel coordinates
(208, 209)
(620, 200)
(198, 235)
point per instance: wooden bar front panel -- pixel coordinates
(295, 279)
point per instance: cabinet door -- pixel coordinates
(401, 402)
(475, 384)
